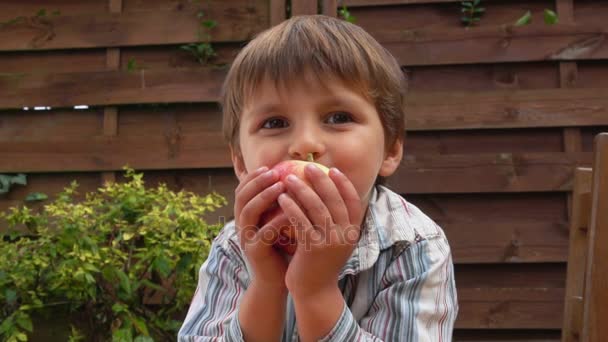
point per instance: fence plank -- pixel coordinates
(596, 275)
(111, 87)
(510, 296)
(236, 21)
(507, 109)
(504, 172)
(507, 241)
(361, 3)
(303, 7)
(428, 110)
(492, 44)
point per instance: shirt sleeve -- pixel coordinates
(416, 303)
(213, 313)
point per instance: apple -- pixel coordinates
(289, 167)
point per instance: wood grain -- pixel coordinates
(237, 21)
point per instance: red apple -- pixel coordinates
(287, 241)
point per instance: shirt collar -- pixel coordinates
(385, 225)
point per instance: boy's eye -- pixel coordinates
(339, 118)
(274, 123)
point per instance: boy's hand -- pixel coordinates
(327, 222)
(256, 192)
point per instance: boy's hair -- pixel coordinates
(327, 48)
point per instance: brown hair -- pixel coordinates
(327, 47)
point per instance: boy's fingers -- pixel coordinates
(252, 188)
(271, 232)
(249, 177)
(315, 209)
(298, 220)
(329, 194)
(349, 195)
(253, 209)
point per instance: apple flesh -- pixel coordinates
(286, 241)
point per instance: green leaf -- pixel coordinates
(124, 282)
(476, 2)
(25, 322)
(465, 19)
(479, 10)
(142, 338)
(467, 4)
(20, 179)
(36, 197)
(128, 236)
(122, 335)
(140, 325)
(41, 12)
(524, 20)
(11, 296)
(131, 65)
(550, 17)
(161, 264)
(210, 24)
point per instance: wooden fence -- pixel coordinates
(498, 117)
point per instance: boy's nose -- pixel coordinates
(304, 143)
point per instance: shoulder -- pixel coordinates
(226, 244)
(398, 221)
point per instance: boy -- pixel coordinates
(366, 264)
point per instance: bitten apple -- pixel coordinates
(287, 241)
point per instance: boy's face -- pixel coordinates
(339, 126)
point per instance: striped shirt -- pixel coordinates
(398, 284)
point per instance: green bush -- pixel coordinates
(101, 259)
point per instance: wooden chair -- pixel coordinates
(586, 301)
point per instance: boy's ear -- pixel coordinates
(392, 159)
(238, 164)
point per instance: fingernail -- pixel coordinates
(277, 186)
(312, 168)
(262, 169)
(292, 178)
(282, 197)
(269, 173)
(336, 171)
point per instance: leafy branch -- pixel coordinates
(202, 50)
(471, 12)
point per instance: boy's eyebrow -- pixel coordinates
(339, 101)
(265, 108)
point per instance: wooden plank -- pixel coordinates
(504, 172)
(419, 174)
(330, 8)
(483, 77)
(24, 125)
(102, 153)
(507, 109)
(455, 110)
(52, 61)
(303, 7)
(362, 3)
(532, 140)
(507, 241)
(577, 256)
(110, 87)
(493, 44)
(596, 276)
(110, 114)
(277, 12)
(237, 21)
(510, 296)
